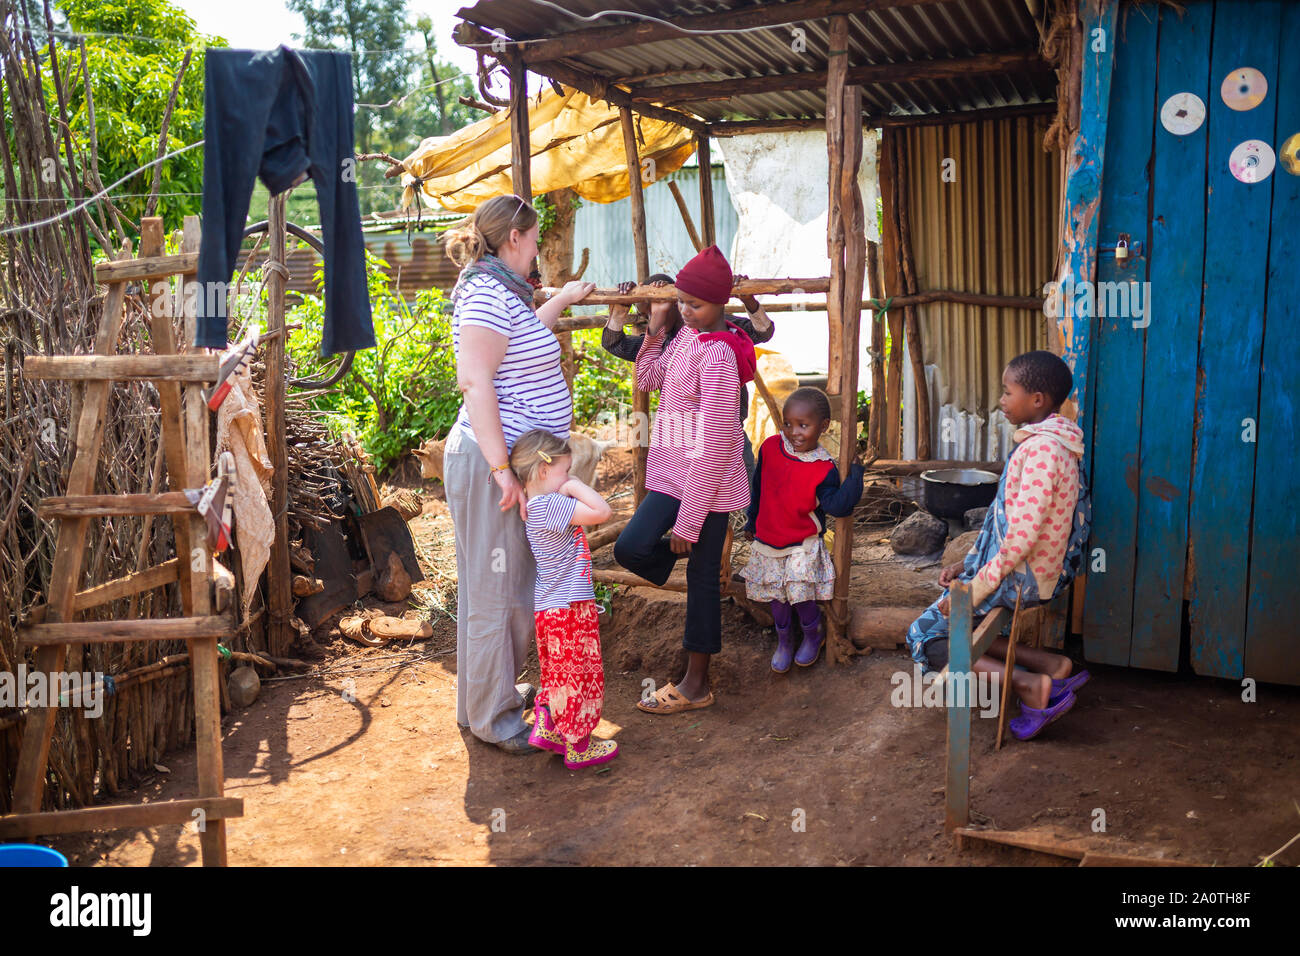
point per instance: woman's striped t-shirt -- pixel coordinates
(529, 382)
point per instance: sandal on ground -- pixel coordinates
(1031, 721)
(1068, 686)
(669, 700)
(588, 752)
(544, 735)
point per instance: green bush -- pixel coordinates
(403, 390)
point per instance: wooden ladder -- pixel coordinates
(185, 444)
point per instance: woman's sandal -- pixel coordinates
(669, 700)
(1032, 721)
(544, 735)
(591, 753)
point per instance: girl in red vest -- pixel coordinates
(788, 564)
(695, 469)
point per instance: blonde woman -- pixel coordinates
(508, 369)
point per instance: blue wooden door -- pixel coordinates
(1195, 362)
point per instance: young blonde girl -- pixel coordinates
(572, 694)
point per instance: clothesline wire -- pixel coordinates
(99, 195)
(38, 32)
(169, 195)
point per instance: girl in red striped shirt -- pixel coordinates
(695, 470)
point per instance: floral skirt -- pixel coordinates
(573, 677)
(804, 574)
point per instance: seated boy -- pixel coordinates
(1031, 542)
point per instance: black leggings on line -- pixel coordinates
(643, 549)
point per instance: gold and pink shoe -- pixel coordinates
(544, 735)
(588, 752)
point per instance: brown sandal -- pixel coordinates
(669, 700)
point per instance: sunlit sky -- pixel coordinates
(263, 24)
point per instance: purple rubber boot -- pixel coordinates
(814, 638)
(783, 621)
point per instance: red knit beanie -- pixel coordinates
(707, 276)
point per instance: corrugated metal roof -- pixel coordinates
(932, 31)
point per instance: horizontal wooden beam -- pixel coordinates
(124, 368)
(604, 38)
(905, 467)
(134, 583)
(25, 826)
(105, 506)
(106, 632)
(865, 75)
(644, 293)
(949, 118)
(141, 270)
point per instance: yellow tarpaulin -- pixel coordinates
(575, 142)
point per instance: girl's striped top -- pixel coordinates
(529, 382)
(560, 547)
(696, 443)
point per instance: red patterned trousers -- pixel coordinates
(573, 677)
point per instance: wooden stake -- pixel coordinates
(636, 199)
(686, 215)
(279, 577)
(520, 130)
(1011, 663)
(708, 234)
(911, 325)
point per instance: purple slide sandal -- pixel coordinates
(1070, 685)
(1031, 722)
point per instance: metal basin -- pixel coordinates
(951, 492)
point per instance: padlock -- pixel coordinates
(1121, 247)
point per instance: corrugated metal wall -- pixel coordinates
(606, 229)
(993, 230)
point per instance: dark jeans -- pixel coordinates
(643, 549)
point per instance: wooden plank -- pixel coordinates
(879, 121)
(147, 267)
(1177, 234)
(33, 755)
(26, 826)
(628, 579)
(1024, 840)
(960, 659)
(1232, 330)
(107, 632)
(123, 368)
(134, 583)
(1083, 193)
(89, 506)
(838, 63)
(708, 230)
(1108, 615)
(1272, 651)
(1117, 427)
(641, 293)
(279, 578)
(891, 409)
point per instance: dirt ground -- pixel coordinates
(364, 763)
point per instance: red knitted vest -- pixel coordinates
(787, 495)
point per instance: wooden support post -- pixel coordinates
(847, 236)
(891, 420)
(520, 130)
(708, 234)
(875, 425)
(912, 328)
(279, 577)
(636, 199)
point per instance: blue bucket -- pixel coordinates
(25, 854)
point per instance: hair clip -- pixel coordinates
(544, 457)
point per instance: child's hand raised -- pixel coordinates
(618, 313)
(750, 303)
